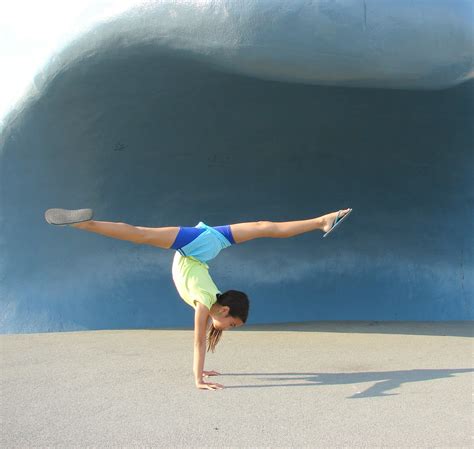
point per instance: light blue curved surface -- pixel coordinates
(176, 112)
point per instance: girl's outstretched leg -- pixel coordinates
(243, 232)
(161, 237)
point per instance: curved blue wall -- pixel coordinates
(239, 111)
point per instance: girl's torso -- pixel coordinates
(196, 246)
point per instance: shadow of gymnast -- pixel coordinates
(384, 380)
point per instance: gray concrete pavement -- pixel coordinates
(311, 385)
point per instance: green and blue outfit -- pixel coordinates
(194, 248)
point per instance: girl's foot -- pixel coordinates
(65, 217)
(329, 219)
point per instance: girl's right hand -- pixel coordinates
(209, 386)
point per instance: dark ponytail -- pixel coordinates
(238, 304)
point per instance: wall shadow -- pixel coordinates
(433, 328)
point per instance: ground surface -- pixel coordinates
(311, 385)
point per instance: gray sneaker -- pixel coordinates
(65, 217)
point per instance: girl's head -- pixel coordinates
(230, 310)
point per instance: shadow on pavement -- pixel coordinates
(384, 380)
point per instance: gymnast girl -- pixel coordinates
(214, 311)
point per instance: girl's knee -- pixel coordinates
(266, 228)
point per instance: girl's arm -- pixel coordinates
(200, 323)
(201, 317)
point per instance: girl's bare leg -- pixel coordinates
(161, 237)
(243, 232)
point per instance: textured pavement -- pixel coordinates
(310, 385)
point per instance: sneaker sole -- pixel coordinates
(64, 217)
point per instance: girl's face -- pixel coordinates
(224, 321)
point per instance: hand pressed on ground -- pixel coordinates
(209, 386)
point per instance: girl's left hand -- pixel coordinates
(210, 373)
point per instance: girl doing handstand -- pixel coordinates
(195, 246)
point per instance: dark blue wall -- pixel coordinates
(156, 136)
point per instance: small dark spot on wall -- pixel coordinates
(119, 146)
